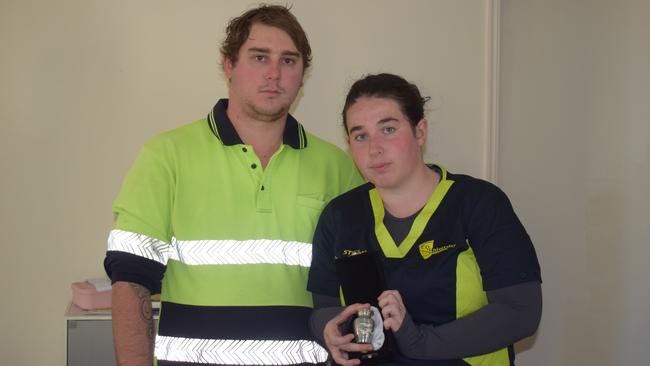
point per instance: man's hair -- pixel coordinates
(388, 86)
(278, 16)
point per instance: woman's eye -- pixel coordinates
(260, 57)
(359, 137)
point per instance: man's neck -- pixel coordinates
(411, 196)
(264, 136)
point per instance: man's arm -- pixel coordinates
(133, 328)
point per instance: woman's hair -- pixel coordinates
(388, 86)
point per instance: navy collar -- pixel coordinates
(223, 129)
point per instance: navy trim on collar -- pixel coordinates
(221, 126)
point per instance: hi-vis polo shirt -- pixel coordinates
(465, 241)
(232, 240)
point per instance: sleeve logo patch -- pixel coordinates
(427, 249)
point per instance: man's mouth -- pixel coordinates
(379, 166)
(271, 91)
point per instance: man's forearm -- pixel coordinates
(133, 328)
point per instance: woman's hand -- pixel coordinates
(392, 309)
(339, 345)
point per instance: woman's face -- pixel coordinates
(383, 143)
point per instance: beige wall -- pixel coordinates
(575, 159)
(84, 83)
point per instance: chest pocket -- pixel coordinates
(308, 210)
(313, 203)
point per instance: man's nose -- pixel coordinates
(273, 71)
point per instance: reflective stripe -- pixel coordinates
(238, 352)
(207, 252)
(138, 244)
(262, 251)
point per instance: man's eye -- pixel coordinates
(389, 130)
(260, 57)
(289, 61)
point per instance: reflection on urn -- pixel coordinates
(363, 326)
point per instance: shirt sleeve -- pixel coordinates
(139, 242)
(503, 249)
(325, 309)
(322, 273)
(512, 313)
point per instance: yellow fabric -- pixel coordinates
(469, 298)
(388, 246)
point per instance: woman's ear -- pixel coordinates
(421, 132)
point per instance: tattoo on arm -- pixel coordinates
(146, 312)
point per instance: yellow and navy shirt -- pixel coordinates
(227, 243)
(466, 240)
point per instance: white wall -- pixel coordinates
(84, 83)
(575, 159)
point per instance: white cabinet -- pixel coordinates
(89, 337)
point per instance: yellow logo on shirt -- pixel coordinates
(427, 249)
(353, 252)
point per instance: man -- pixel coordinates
(225, 209)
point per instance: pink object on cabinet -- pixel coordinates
(86, 296)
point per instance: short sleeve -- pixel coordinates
(139, 242)
(503, 248)
(144, 204)
(322, 273)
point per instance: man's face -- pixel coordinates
(383, 144)
(267, 75)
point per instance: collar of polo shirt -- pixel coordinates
(223, 129)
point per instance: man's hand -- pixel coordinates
(392, 309)
(339, 345)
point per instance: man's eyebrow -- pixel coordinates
(259, 50)
(266, 51)
(291, 53)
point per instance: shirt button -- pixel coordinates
(523, 275)
(253, 166)
(244, 149)
(262, 188)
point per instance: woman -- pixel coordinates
(462, 273)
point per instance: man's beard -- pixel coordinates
(266, 115)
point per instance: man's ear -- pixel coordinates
(227, 67)
(421, 132)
